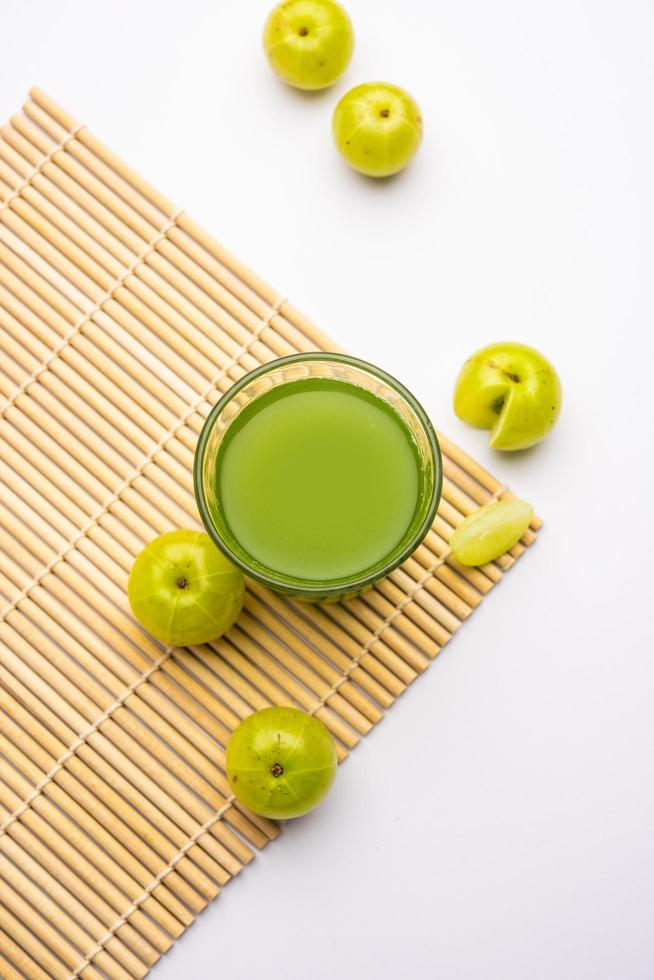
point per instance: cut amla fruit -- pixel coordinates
(490, 531)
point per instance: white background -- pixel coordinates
(498, 825)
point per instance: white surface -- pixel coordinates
(498, 824)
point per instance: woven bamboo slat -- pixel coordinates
(121, 323)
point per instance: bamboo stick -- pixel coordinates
(8, 972)
(17, 163)
(34, 948)
(25, 965)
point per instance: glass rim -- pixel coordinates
(311, 587)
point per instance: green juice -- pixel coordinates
(318, 479)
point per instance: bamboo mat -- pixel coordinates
(121, 324)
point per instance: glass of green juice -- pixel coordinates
(317, 474)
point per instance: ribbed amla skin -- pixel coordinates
(281, 762)
(183, 590)
(512, 390)
(377, 127)
(308, 43)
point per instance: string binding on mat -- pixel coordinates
(90, 313)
